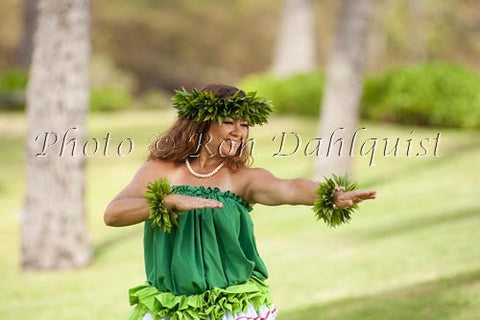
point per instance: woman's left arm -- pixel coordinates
(265, 188)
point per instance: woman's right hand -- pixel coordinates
(179, 203)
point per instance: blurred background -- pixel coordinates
(403, 69)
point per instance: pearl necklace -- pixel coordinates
(203, 175)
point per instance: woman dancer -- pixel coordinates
(194, 194)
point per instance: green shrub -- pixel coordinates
(154, 100)
(299, 94)
(13, 80)
(434, 94)
(103, 98)
(111, 88)
(12, 89)
(109, 99)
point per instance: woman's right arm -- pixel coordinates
(130, 207)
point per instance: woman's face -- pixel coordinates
(227, 137)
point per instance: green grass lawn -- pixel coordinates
(411, 254)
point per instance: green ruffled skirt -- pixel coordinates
(214, 304)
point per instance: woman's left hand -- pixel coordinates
(345, 199)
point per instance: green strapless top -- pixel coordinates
(211, 248)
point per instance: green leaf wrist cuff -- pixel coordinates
(155, 193)
(325, 208)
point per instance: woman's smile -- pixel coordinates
(229, 146)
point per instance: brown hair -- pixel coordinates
(183, 138)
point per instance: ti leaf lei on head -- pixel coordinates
(325, 208)
(204, 106)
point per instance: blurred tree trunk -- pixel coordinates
(29, 24)
(418, 31)
(377, 35)
(53, 227)
(341, 99)
(295, 49)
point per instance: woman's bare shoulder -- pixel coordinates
(248, 176)
(253, 173)
(156, 164)
(156, 168)
(149, 171)
(247, 179)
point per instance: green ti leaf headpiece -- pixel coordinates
(204, 106)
